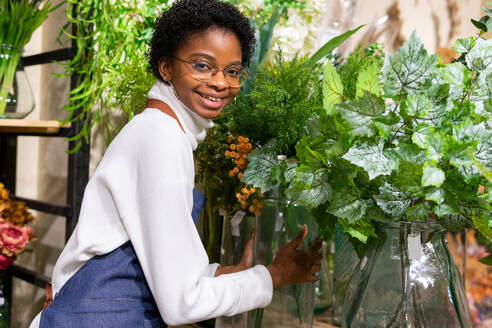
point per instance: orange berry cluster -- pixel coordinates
(244, 195)
(15, 212)
(4, 198)
(238, 151)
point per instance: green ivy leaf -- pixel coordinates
(372, 158)
(361, 230)
(393, 200)
(310, 187)
(418, 212)
(332, 88)
(411, 153)
(410, 69)
(457, 76)
(418, 105)
(435, 195)
(290, 172)
(368, 80)
(480, 56)
(360, 112)
(422, 135)
(442, 210)
(464, 45)
(483, 223)
(432, 175)
(259, 171)
(347, 205)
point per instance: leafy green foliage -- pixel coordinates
(403, 138)
(283, 96)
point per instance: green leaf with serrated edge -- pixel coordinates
(483, 153)
(345, 204)
(360, 112)
(310, 187)
(361, 230)
(259, 170)
(464, 45)
(432, 175)
(332, 88)
(410, 69)
(457, 76)
(410, 152)
(384, 130)
(481, 93)
(393, 200)
(468, 132)
(372, 158)
(368, 80)
(443, 209)
(418, 105)
(479, 58)
(418, 212)
(435, 195)
(436, 147)
(422, 134)
(290, 172)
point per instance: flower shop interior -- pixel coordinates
(368, 121)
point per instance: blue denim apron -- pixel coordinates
(109, 291)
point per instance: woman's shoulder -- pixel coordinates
(152, 122)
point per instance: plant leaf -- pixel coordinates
(417, 212)
(259, 171)
(410, 69)
(332, 88)
(347, 205)
(331, 45)
(310, 187)
(432, 175)
(368, 80)
(480, 56)
(392, 200)
(361, 229)
(464, 45)
(360, 112)
(372, 158)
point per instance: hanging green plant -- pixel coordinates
(112, 39)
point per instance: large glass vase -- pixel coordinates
(291, 306)
(406, 279)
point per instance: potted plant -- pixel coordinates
(398, 157)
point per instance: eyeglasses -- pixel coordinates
(202, 71)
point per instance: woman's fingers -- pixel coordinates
(294, 243)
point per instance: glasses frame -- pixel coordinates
(215, 70)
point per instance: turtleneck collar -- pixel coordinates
(194, 125)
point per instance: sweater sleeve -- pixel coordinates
(157, 217)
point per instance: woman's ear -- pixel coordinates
(165, 69)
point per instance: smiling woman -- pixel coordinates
(202, 87)
(135, 258)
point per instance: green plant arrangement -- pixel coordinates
(18, 21)
(110, 62)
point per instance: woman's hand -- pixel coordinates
(246, 259)
(294, 266)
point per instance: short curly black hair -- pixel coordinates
(189, 16)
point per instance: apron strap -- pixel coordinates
(163, 107)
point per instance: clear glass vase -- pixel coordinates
(16, 98)
(235, 234)
(406, 279)
(291, 306)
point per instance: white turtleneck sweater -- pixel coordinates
(142, 191)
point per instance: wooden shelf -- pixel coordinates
(31, 127)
